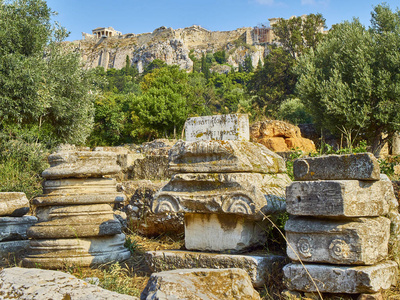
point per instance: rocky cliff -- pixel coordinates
(171, 46)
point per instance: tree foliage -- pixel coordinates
(43, 87)
(352, 79)
(299, 33)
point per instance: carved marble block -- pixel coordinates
(339, 198)
(223, 232)
(341, 279)
(67, 164)
(360, 241)
(248, 194)
(218, 127)
(53, 253)
(361, 166)
(224, 156)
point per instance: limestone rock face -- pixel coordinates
(339, 198)
(341, 279)
(224, 156)
(13, 204)
(280, 136)
(19, 283)
(200, 284)
(67, 164)
(223, 232)
(361, 241)
(250, 194)
(361, 166)
(259, 266)
(93, 251)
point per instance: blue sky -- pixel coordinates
(133, 16)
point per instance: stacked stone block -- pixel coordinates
(340, 226)
(14, 223)
(76, 220)
(224, 185)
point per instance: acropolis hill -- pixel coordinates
(109, 48)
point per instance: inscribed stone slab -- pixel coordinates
(218, 127)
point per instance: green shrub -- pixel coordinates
(293, 110)
(21, 165)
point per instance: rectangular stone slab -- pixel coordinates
(361, 166)
(341, 279)
(339, 198)
(223, 232)
(249, 194)
(361, 241)
(223, 157)
(218, 127)
(13, 204)
(259, 266)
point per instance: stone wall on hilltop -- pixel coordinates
(171, 46)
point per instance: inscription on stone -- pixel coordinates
(219, 127)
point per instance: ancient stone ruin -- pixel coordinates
(341, 212)
(224, 185)
(14, 223)
(76, 220)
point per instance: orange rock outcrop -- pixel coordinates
(280, 136)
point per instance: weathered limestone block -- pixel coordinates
(200, 284)
(249, 194)
(75, 213)
(304, 144)
(259, 266)
(53, 253)
(341, 279)
(339, 198)
(276, 144)
(71, 229)
(74, 191)
(223, 232)
(66, 164)
(11, 248)
(224, 156)
(13, 204)
(218, 127)
(14, 228)
(360, 241)
(394, 217)
(20, 283)
(361, 166)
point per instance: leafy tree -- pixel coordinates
(248, 64)
(205, 67)
(166, 102)
(43, 87)
(220, 57)
(352, 80)
(274, 82)
(299, 33)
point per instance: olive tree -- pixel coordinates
(351, 80)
